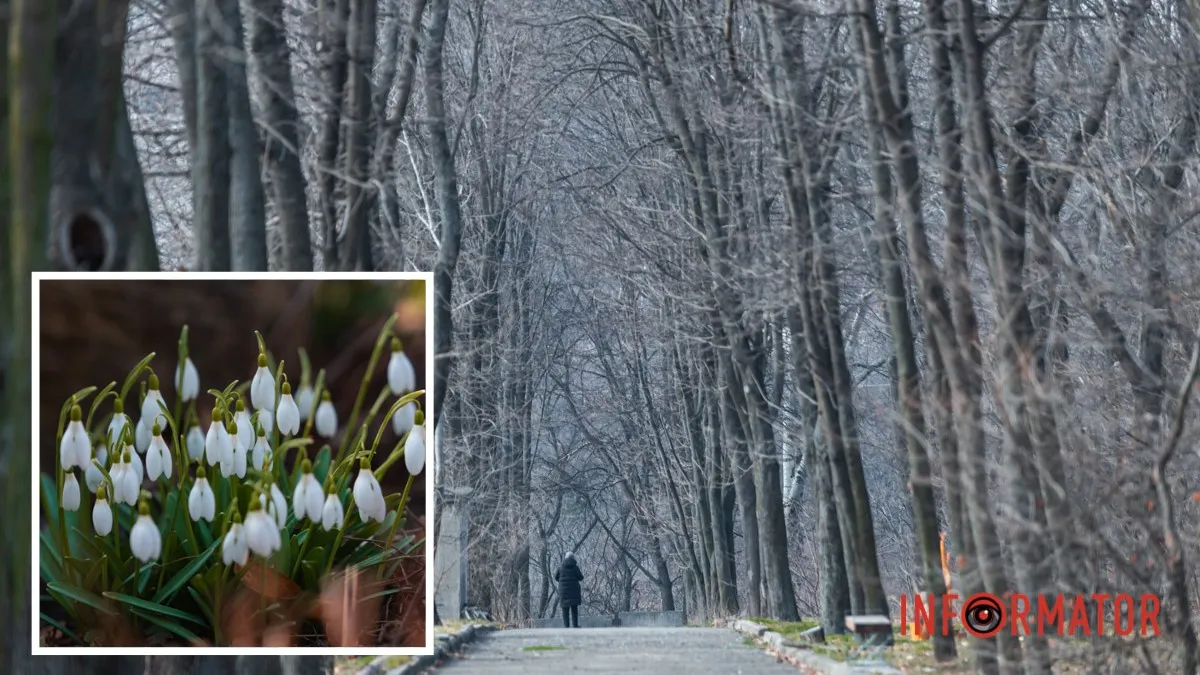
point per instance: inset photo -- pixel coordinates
(233, 462)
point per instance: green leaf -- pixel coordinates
(66, 631)
(81, 596)
(170, 626)
(50, 500)
(133, 375)
(202, 604)
(321, 465)
(145, 573)
(154, 608)
(183, 576)
(50, 547)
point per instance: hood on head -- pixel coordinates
(569, 556)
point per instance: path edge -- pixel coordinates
(444, 646)
(804, 658)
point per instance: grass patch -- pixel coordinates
(544, 648)
(347, 665)
(790, 630)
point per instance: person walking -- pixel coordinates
(570, 591)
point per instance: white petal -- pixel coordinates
(145, 541)
(262, 390)
(333, 514)
(288, 415)
(414, 450)
(245, 428)
(304, 402)
(403, 420)
(139, 470)
(234, 549)
(195, 443)
(141, 435)
(154, 466)
(102, 517)
(133, 484)
(70, 496)
(151, 410)
(280, 505)
(266, 420)
(239, 461)
(299, 504)
(401, 377)
(101, 453)
(93, 478)
(190, 388)
(262, 453)
(369, 497)
(326, 421)
(116, 427)
(213, 445)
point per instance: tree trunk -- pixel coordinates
(446, 180)
(355, 254)
(248, 209)
(211, 155)
(281, 120)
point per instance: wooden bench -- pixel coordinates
(871, 631)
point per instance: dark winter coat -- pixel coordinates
(568, 576)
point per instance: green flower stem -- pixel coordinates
(133, 375)
(104, 393)
(317, 389)
(404, 400)
(394, 456)
(384, 339)
(396, 521)
(179, 374)
(337, 541)
(275, 407)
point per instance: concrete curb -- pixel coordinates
(806, 658)
(443, 647)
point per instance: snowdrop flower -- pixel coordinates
(239, 458)
(102, 516)
(333, 514)
(278, 508)
(304, 401)
(261, 455)
(217, 444)
(93, 477)
(70, 493)
(404, 418)
(245, 428)
(368, 495)
(195, 442)
(266, 419)
(307, 498)
(202, 503)
(189, 388)
(145, 541)
(262, 535)
(116, 426)
(262, 392)
(414, 449)
(234, 549)
(234, 461)
(288, 414)
(401, 377)
(134, 460)
(101, 450)
(158, 458)
(326, 418)
(154, 404)
(142, 436)
(76, 447)
(126, 480)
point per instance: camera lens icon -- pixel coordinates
(983, 615)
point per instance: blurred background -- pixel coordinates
(93, 332)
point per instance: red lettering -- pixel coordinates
(923, 613)
(903, 614)
(1052, 615)
(1123, 608)
(1018, 611)
(1100, 598)
(948, 612)
(1079, 618)
(1149, 613)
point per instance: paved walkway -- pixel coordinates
(624, 651)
